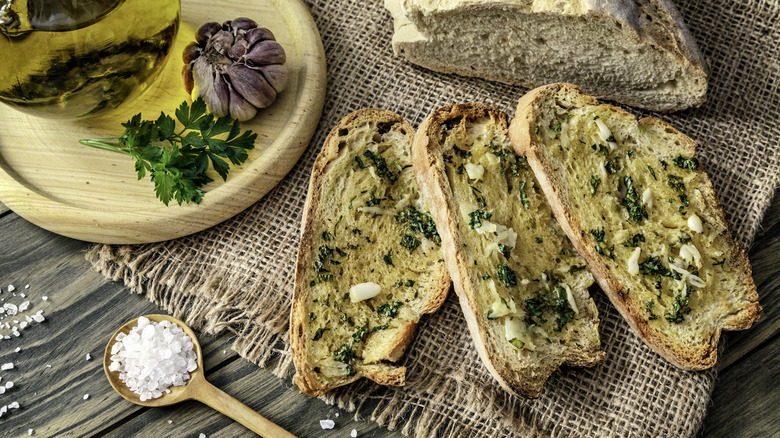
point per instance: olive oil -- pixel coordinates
(76, 58)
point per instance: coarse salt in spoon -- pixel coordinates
(194, 388)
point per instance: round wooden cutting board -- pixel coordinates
(50, 179)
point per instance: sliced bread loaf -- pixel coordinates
(639, 207)
(369, 263)
(636, 52)
(521, 284)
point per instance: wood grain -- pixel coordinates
(746, 396)
(765, 259)
(84, 309)
(90, 194)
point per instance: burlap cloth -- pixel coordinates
(238, 276)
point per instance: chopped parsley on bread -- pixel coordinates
(521, 284)
(641, 210)
(369, 264)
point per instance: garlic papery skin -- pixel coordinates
(237, 68)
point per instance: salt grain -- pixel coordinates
(86, 396)
(30, 431)
(11, 288)
(353, 434)
(327, 424)
(203, 435)
(13, 405)
(89, 357)
(45, 298)
(7, 366)
(18, 349)
(9, 385)
(24, 306)
(153, 357)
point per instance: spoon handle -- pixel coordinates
(217, 399)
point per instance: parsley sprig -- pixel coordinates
(178, 168)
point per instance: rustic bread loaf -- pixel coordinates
(636, 52)
(639, 207)
(521, 284)
(369, 263)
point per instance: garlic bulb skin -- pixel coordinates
(237, 68)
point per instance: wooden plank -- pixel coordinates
(764, 257)
(3, 209)
(51, 373)
(746, 397)
(276, 399)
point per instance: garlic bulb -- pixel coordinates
(236, 67)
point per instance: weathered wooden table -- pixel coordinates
(52, 376)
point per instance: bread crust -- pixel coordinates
(520, 133)
(384, 373)
(433, 182)
(665, 31)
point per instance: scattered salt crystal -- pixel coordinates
(26, 286)
(22, 295)
(38, 317)
(11, 288)
(89, 357)
(13, 405)
(18, 349)
(353, 434)
(7, 366)
(23, 324)
(45, 298)
(48, 366)
(327, 424)
(24, 306)
(16, 332)
(10, 309)
(86, 396)
(3, 410)
(203, 435)
(9, 385)
(153, 357)
(337, 415)
(170, 421)
(30, 431)
(2, 389)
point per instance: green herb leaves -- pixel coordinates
(632, 202)
(178, 169)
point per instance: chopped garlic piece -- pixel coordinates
(633, 261)
(475, 171)
(647, 198)
(696, 281)
(492, 159)
(364, 291)
(605, 134)
(694, 223)
(402, 203)
(570, 298)
(691, 254)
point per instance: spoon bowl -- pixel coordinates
(196, 388)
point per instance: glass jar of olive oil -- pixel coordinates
(71, 59)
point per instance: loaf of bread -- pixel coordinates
(521, 284)
(641, 210)
(369, 264)
(637, 52)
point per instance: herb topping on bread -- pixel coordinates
(640, 209)
(522, 287)
(369, 263)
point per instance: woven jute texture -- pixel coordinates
(238, 276)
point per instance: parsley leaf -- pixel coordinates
(178, 168)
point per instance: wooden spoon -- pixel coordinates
(197, 388)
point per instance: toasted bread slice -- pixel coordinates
(640, 209)
(521, 284)
(636, 52)
(369, 263)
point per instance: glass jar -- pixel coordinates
(71, 59)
